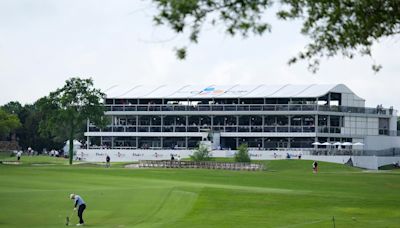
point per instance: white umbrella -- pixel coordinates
(347, 144)
(358, 144)
(326, 144)
(337, 144)
(316, 143)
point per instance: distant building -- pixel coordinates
(266, 117)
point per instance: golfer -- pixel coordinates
(80, 206)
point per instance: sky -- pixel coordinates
(43, 43)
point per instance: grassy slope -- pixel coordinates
(288, 195)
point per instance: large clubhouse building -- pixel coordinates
(265, 117)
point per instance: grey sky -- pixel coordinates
(43, 43)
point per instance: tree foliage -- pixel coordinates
(242, 154)
(346, 27)
(66, 110)
(201, 154)
(13, 107)
(27, 134)
(8, 122)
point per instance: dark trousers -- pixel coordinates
(81, 208)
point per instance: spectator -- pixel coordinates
(108, 161)
(19, 153)
(315, 167)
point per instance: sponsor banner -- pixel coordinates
(99, 155)
(119, 155)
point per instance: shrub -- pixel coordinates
(242, 155)
(201, 154)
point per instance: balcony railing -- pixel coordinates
(242, 107)
(215, 128)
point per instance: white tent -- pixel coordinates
(77, 145)
(338, 144)
(347, 144)
(358, 144)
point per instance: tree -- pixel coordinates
(347, 27)
(13, 107)
(242, 154)
(201, 154)
(66, 110)
(8, 123)
(27, 134)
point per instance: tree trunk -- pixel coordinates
(71, 149)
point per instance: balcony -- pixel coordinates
(250, 108)
(215, 128)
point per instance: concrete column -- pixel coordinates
(112, 123)
(237, 125)
(329, 125)
(262, 124)
(137, 123)
(262, 142)
(186, 122)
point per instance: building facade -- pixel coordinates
(266, 117)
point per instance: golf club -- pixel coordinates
(67, 218)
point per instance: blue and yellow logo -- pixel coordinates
(212, 91)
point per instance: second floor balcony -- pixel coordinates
(247, 107)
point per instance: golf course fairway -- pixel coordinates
(287, 194)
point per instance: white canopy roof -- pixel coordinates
(224, 91)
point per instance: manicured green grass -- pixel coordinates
(288, 194)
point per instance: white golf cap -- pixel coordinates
(72, 196)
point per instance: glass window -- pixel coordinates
(308, 120)
(336, 121)
(270, 120)
(256, 120)
(144, 120)
(282, 120)
(322, 120)
(295, 121)
(244, 120)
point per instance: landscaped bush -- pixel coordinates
(242, 155)
(201, 154)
